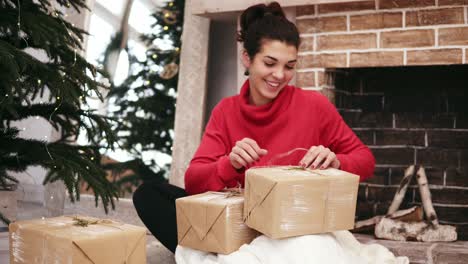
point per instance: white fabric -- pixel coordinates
(335, 248)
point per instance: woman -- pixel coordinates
(267, 118)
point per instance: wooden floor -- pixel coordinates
(418, 253)
(4, 252)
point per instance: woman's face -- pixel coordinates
(270, 70)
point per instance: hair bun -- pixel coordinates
(275, 9)
(255, 13)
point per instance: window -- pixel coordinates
(105, 22)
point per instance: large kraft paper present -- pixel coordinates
(213, 222)
(76, 240)
(290, 201)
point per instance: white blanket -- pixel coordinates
(335, 248)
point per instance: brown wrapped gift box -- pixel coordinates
(60, 240)
(212, 222)
(289, 201)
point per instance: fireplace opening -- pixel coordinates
(410, 115)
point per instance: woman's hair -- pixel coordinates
(265, 22)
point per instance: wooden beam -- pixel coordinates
(212, 8)
(192, 89)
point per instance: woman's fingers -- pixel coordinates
(250, 150)
(236, 161)
(328, 161)
(253, 144)
(310, 156)
(245, 152)
(319, 157)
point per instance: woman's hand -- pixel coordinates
(320, 157)
(245, 152)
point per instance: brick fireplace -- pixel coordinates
(397, 71)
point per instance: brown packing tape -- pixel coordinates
(200, 217)
(284, 198)
(212, 222)
(266, 187)
(59, 240)
(258, 195)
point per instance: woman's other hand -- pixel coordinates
(245, 152)
(320, 157)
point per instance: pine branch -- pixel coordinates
(4, 219)
(145, 101)
(63, 80)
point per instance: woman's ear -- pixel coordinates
(245, 58)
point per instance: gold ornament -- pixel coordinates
(169, 17)
(169, 71)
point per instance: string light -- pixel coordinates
(171, 3)
(74, 58)
(154, 56)
(19, 15)
(39, 81)
(92, 158)
(147, 82)
(166, 28)
(58, 97)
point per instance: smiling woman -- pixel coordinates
(267, 118)
(270, 70)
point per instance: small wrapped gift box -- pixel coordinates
(212, 222)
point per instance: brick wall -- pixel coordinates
(380, 33)
(410, 115)
(354, 53)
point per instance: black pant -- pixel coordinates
(155, 204)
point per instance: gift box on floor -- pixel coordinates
(290, 201)
(76, 240)
(213, 222)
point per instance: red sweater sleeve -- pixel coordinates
(210, 168)
(354, 156)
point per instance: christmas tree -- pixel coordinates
(144, 104)
(55, 89)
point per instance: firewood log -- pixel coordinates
(421, 231)
(400, 193)
(412, 214)
(426, 196)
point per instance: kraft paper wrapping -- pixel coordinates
(212, 222)
(59, 240)
(287, 201)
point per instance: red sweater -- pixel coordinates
(296, 118)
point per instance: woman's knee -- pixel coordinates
(141, 194)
